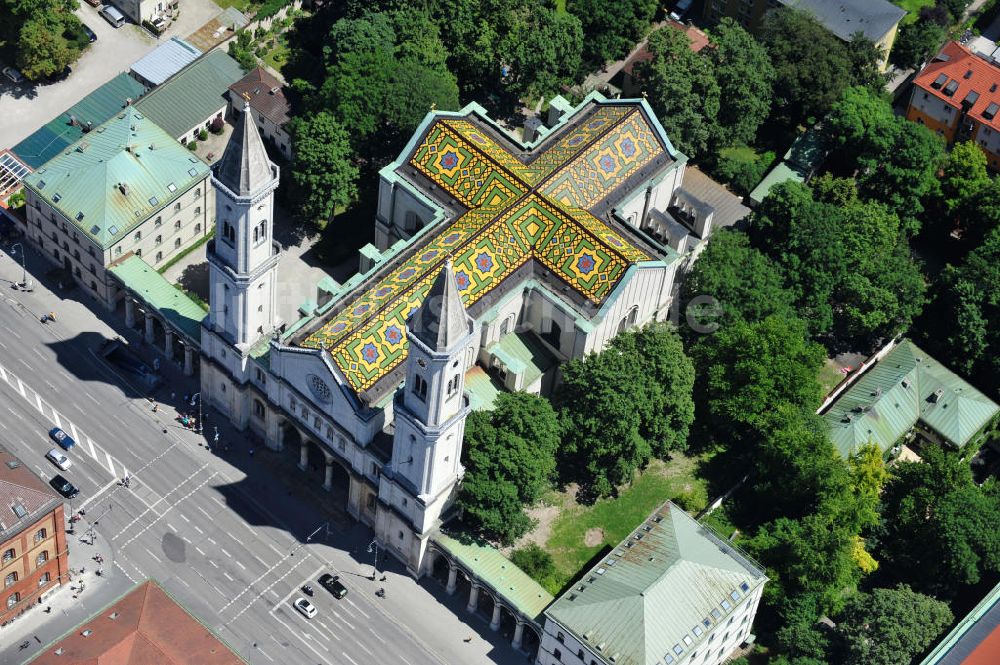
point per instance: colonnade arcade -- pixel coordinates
(515, 613)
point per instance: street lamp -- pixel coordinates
(90, 530)
(373, 547)
(197, 397)
(24, 270)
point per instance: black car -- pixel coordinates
(63, 486)
(332, 584)
(90, 33)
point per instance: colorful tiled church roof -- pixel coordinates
(517, 210)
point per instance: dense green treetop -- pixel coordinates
(324, 175)
(745, 76)
(891, 626)
(682, 90)
(611, 29)
(917, 42)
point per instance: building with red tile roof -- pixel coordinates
(34, 559)
(270, 108)
(957, 95)
(143, 627)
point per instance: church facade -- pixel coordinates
(494, 255)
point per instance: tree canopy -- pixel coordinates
(745, 77)
(46, 35)
(624, 405)
(324, 174)
(891, 626)
(747, 370)
(682, 89)
(942, 531)
(611, 29)
(510, 459)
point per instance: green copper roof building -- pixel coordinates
(671, 592)
(117, 176)
(907, 388)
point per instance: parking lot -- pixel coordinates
(25, 107)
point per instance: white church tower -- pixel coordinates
(243, 265)
(429, 411)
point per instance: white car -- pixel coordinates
(57, 457)
(304, 606)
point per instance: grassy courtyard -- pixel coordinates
(913, 8)
(577, 532)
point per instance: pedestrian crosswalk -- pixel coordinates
(101, 457)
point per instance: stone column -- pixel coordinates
(495, 621)
(188, 361)
(149, 328)
(168, 343)
(304, 456)
(473, 598)
(518, 634)
(452, 580)
(328, 482)
(129, 311)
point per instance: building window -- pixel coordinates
(44, 579)
(561, 638)
(177, 206)
(159, 221)
(8, 556)
(138, 252)
(158, 240)
(90, 250)
(138, 236)
(228, 233)
(258, 409)
(40, 535)
(177, 243)
(93, 285)
(505, 327)
(453, 385)
(93, 269)
(10, 579)
(41, 559)
(177, 224)
(197, 193)
(159, 256)
(420, 387)
(197, 229)
(13, 600)
(261, 377)
(557, 654)
(197, 210)
(118, 251)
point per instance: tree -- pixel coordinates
(241, 50)
(745, 76)
(963, 179)
(747, 370)
(623, 405)
(812, 67)
(542, 51)
(744, 283)
(323, 174)
(610, 30)
(537, 563)
(418, 89)
(917, 42)
(681, 88)
(942, 531)
(510, 458)
(891, 626)
(956, 8)
(43, 49)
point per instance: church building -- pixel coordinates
(497, 258)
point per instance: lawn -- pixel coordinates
(829, 376)
(913, 8)
(241, 5)
(278, 55)
(580, 532)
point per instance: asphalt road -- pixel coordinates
(223, 542)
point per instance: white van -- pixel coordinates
(112, 15)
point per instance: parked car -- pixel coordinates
(333, 584)
(304, 606)
(57, 457)
(112, 15)
(90, 33)
(64, 440)
(14, 75)
(63, 486)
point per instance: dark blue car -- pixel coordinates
(62, 438)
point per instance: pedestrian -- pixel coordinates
(156, 407)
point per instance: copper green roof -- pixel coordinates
(181, 312)
(664, 588)
(522, 353)
(117, 176)
(496, 571)
(96, 108)
(905, 387)
(514, 208)
(193, 94)
(482, 389)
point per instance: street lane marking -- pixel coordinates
(20, 388)
(163, 498)
(38, 402)
(111, 465)
(38, 353)
(223, 550)
(376, 635)
(3, 372)
(12, 332)
(349, 658)
(198, 549)
(358, 609)
(55, 417)
(72, 428)
(238, 563)
(196, 528)
(158, 560)
(182, 581)
(93, 453)
(184, 518)
(215, 565)
(92, 398)
(226, 575)
(291, 631)
(119, 566)
(160, 515)
(355, 640)
(26, 364)
(171, 526)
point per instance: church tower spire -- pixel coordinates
(242, 262)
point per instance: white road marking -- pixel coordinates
(3, 345)
(358, 609)
(196, 528)
(171, 526)
(55, 417)
(111, 464)
(92, 398)
(211, 541)
(160, 515)
(198, 549)
(38, 353)
(20, 388)
(3, 372)
(38, 402)
(153, 555)
(50, 384)
(226, 575)
(12, 332)
(215, 565)
(291, 631)
(93, 453)
(184, 518)
(182, 581)
(370, 652)
(223, 550)
(349, 658)
(238, 563)
(203, 512)
(376, 635)
(72, 428)
(26, 364)
(132, 579)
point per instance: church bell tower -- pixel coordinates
(242, 262)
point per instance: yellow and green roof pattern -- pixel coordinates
(515, 212)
